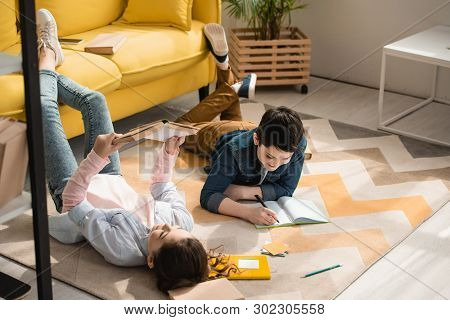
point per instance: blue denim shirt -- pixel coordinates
(234, 161)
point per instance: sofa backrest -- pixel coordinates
(8, 30)
(207, 11)
(75, 16)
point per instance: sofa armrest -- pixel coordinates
(207, 11)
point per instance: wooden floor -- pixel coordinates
(418, 268)
(415, 269)
(359, 106)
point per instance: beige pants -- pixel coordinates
(224, 102)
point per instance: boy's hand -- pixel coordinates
(172, 145)
(103, 145)
(261, 215)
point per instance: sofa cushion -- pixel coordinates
(8, 30)
(207, 11)
(82, 15)
(171, 13)
(150, 53)
(90, 70)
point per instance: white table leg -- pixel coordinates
(382, 84)
(383, 125)
(433, 85)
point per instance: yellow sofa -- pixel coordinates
(155, 64)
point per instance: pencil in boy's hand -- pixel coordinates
(263, 204)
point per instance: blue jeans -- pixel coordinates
(60, 163)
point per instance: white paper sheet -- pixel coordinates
(248, 264)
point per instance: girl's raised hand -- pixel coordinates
(173, 144)
(104, 146)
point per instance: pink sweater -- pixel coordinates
(112, 191)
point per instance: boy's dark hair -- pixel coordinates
(282, 128)
(180, 264)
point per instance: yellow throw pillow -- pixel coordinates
(8, 29)
(172, 13)
(76, 16)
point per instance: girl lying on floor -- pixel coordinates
(95, 201)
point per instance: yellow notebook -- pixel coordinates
(247, 268)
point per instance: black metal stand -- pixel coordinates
(35, 148)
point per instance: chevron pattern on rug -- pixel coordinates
(373, 190)
(367, 218)
(324, 139)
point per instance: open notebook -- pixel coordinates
(158, 130)
(291, 211)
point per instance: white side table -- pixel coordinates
(431, 46)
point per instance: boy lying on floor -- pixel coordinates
(245, 160)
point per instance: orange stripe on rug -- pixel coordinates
(339, 202)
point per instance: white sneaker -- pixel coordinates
(47, 33)
(216, 41)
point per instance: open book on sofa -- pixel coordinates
(105, 43)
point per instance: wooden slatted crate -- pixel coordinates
(276, 62)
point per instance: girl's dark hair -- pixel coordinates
(282, 128)
(180, 264)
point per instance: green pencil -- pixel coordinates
(322, 270)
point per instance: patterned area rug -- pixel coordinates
(374, 187)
